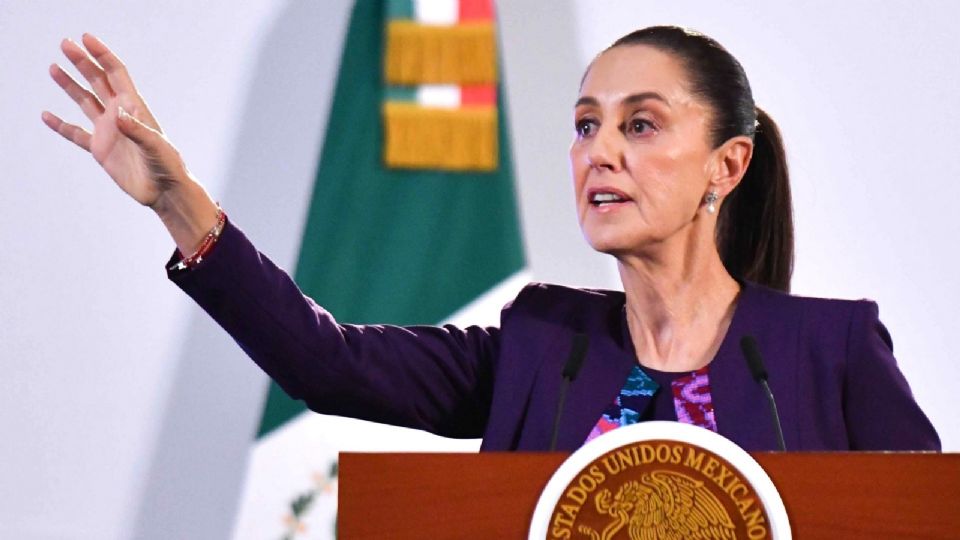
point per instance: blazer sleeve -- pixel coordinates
(434, 378)
(879, 408)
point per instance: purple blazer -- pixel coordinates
(831, 364)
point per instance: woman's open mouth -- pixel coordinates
(607, 198)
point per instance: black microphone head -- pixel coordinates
(748, 344)
(578, 351)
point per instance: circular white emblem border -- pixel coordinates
(661, 430)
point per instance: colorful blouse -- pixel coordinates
(641, 399)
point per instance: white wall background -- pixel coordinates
(125, 413)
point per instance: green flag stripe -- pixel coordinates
(401, 93)
(395, 246)
(400, 9)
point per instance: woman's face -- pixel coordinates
(642, 159)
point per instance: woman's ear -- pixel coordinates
(732, 159)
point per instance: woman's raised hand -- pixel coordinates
(127, 141)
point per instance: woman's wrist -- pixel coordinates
(188, 212)
(206, 245)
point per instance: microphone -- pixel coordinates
(578, 351)
(755, 362)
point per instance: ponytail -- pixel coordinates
(755, 224)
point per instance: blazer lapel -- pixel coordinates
(601, 378)
(609, 360)
(741, 408)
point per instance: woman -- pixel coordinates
(677, 175)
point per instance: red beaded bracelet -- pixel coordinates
(206, 245)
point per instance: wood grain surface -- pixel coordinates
(492, 496)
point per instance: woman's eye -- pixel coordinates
(639, 126)
(585, 128)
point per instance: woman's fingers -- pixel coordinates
(89, 68)
(119, 80)
(140, 133)
(75, 134)
(113, 67)
(89, 104)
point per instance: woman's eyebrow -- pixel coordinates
(587, 100)
(629, 100)
(643, 96)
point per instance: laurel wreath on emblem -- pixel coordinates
(663, 505)
(302, 503)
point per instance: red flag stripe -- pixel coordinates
(478, 94)
(476, 10)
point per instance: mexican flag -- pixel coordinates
(413, 220)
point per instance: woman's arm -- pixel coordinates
(438, 379)
(434, 378)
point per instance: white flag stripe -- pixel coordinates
(439, 95)
(287, 463)
(441, 12)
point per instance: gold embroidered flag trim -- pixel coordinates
(427, 54)
(440, 67)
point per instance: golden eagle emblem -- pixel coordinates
(662, 505)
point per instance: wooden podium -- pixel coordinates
(492, 496)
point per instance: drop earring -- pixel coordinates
(712, 199)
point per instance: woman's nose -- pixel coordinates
(606, 150)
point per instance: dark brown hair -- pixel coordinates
(755, 225)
